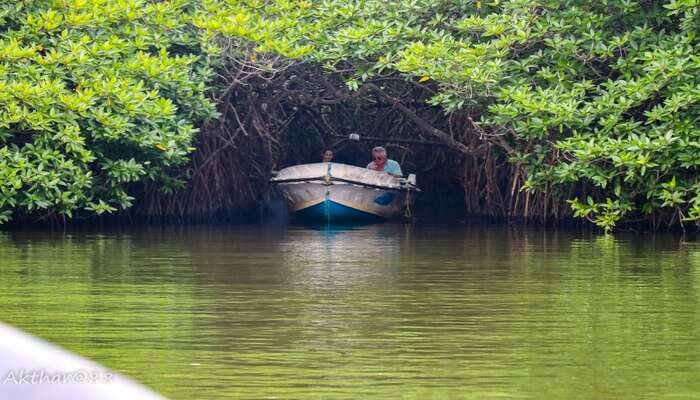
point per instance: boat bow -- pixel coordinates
(333, 191)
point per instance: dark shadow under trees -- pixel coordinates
(287, 114)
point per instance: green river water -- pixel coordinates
(375, 312)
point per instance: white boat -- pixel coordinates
(340, 192)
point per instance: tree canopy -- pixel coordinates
(95, 95)
(594, 103)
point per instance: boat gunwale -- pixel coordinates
(407, 188)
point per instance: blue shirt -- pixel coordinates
(391, 167)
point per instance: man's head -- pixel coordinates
(327, 155)
(379, 155)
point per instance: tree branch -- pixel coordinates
(423, 124)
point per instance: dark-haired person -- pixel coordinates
(327, 155)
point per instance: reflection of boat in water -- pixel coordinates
(340, 192)
(338, 256)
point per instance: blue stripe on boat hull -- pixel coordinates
(330, 211)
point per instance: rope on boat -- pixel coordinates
(408, 212)
(328, 178)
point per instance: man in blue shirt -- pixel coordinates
(380, 162)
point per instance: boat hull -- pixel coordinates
(331, 211)
(372, 195)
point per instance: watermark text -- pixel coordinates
(46, 377)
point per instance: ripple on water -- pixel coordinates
(385, 311)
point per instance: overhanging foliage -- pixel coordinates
(592, 99)
(591, 102)
(95, 95)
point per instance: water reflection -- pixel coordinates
(367, 311)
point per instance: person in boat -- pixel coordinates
(381, 162)
(327, 155)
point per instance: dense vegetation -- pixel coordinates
(594, 103)
(95, 95)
